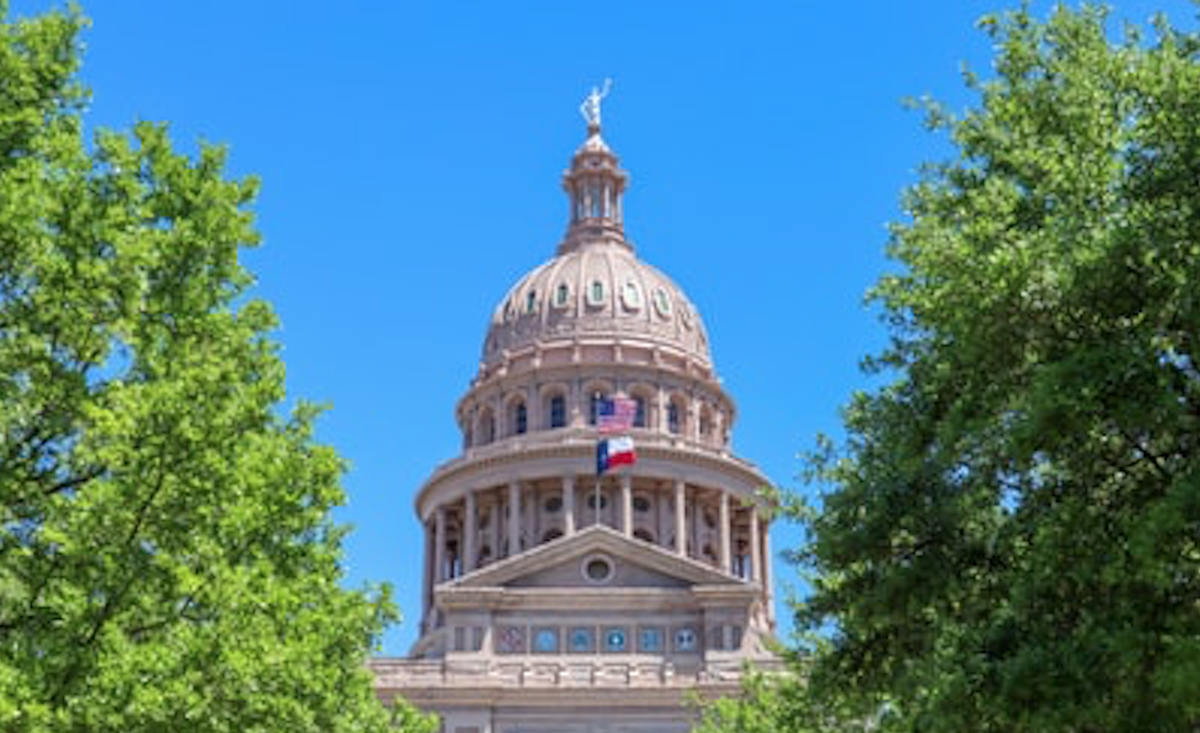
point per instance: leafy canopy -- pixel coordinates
(1010, 534)
(167, 560)
(1011, 537)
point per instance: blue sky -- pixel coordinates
(410, 154)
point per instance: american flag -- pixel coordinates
(616, 414)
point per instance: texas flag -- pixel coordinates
(614, 452)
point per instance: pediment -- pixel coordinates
(564, 563)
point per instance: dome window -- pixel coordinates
(520, 419)
(596, 293)
(558, 411)
(631, 296)
(531, 302)
(561, 295)
(486, 432)
(598, 398)
(662, 303)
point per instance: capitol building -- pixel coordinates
(557, 599)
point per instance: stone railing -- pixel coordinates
(393, 673)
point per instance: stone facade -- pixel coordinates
(556, 600)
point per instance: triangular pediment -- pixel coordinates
(564, 563)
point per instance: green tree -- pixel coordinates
(1009, 539)
(167, 559)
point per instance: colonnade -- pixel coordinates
(483, 525)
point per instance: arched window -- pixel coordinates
(487, 427)
(552, 534)
(520, 419)
(705, 424)
(644, 535)
(594, 407)
(558, 411)
(639, 416)
(673, 418)
(596, 293)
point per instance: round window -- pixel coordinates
(553, 505)
(597, 569)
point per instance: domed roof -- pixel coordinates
(599, 289)
(596, 288)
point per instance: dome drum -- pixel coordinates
(550, 399)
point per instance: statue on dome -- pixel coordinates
(590, 109)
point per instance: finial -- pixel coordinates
(590, 109)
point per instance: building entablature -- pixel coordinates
(664, 459)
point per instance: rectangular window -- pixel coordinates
(716, 637)
(545, 640)
(650, 639)
(510, 640)
(582, 639)
(616, 639)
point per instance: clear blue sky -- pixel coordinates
(410, 154)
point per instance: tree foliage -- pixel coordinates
(1010, 538)
(167, 560)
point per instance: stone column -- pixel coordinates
(514, 518)
(755, 550)
(766, 573)
(439, 545)
(680, 518)
(469, 532)
(427, 584)
(494, 527)
(627, 505)
(723, 529)
(532, 517)
(568, 500)
(662, 523)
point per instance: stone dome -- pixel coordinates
(596, 290)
